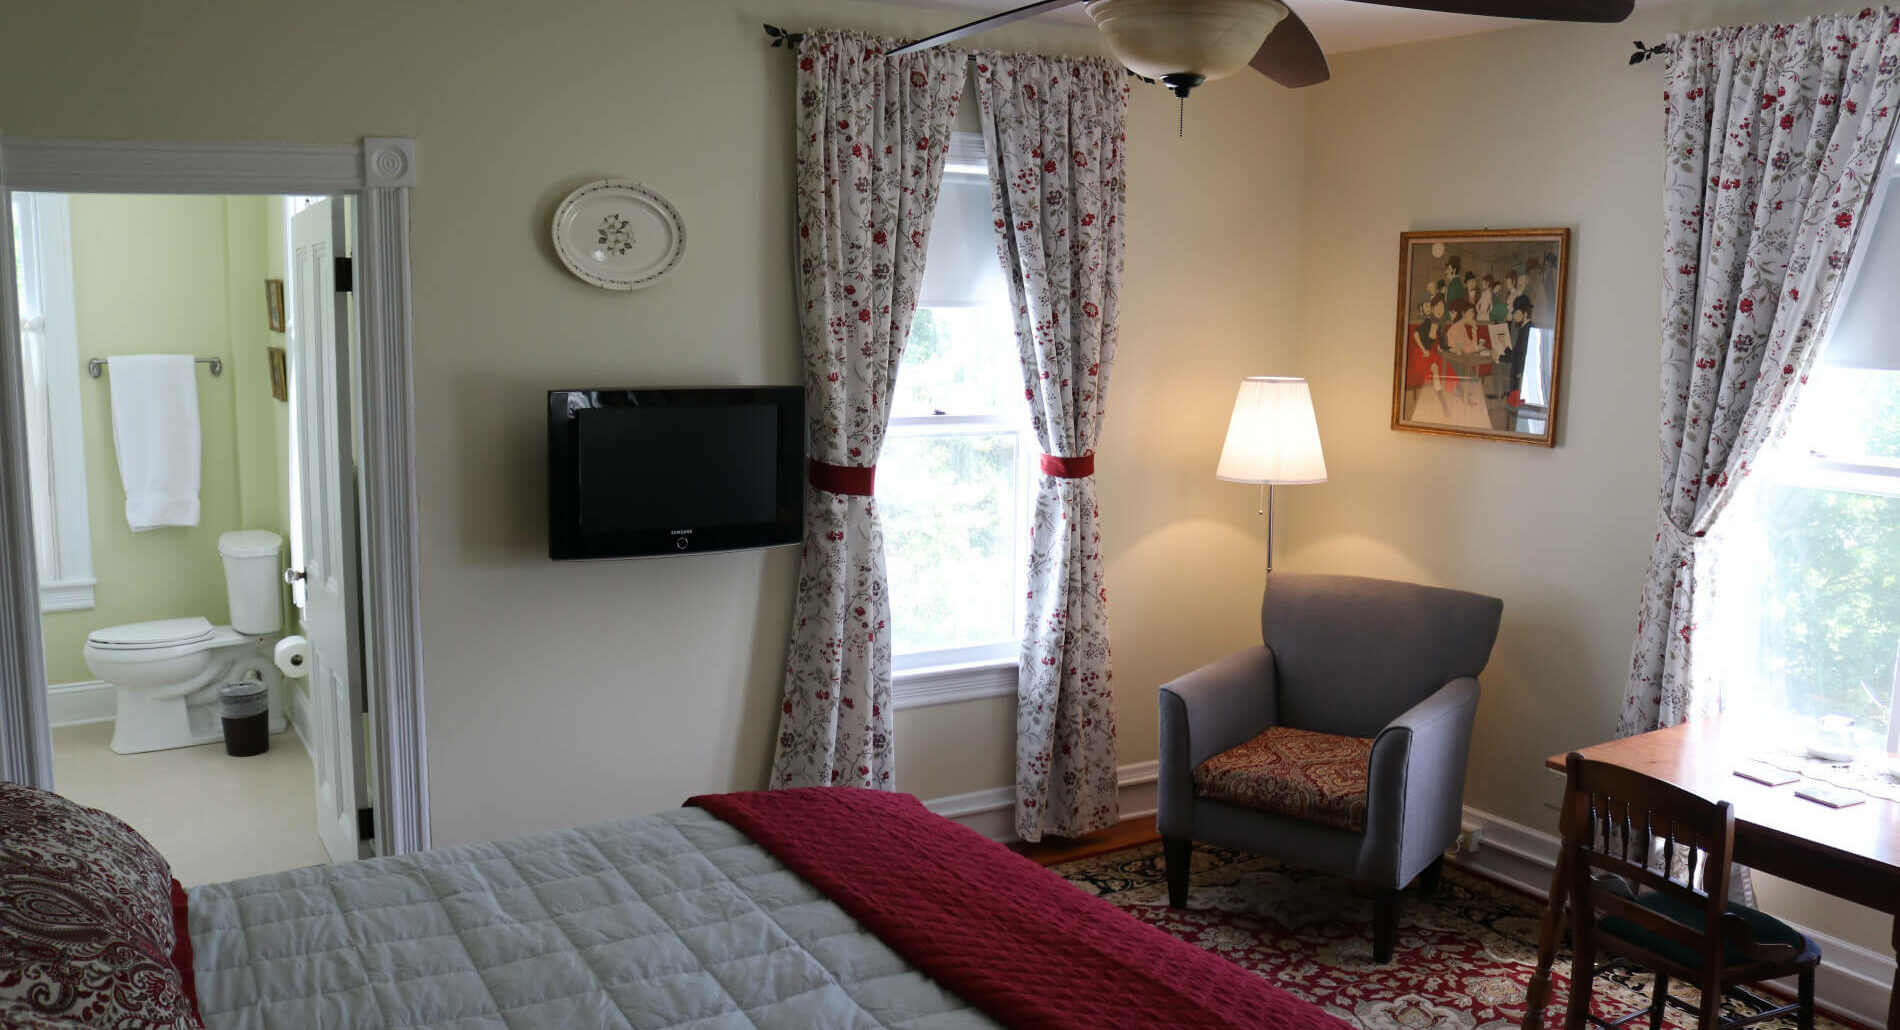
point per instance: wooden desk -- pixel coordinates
(1851, 853)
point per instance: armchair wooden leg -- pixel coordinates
(1804, 1017)
(1659, 1002)
(1176, 854)
(1428, 877)
(1385, 923)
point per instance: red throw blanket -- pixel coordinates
(1006, 935)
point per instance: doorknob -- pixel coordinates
(292, 576)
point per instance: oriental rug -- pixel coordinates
(1462, 959)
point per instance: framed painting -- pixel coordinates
(1480, 334)
(274, 304)
(279, 373)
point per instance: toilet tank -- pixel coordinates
(254, 579)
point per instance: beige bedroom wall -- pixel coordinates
(561, 693)
(1534, 127)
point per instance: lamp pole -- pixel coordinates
(1267, 510)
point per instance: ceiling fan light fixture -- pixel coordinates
(1185, 41)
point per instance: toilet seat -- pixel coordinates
(165, 639)
(145, 636)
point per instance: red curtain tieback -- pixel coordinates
(854, 480)
(1068, 468)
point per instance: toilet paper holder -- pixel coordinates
(291, 655)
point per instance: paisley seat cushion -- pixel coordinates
(1314, 777)
(87, 929)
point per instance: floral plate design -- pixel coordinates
(618, 235)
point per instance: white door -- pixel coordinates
(323, 545)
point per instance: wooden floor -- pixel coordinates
(1054, 850)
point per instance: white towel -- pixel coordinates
(155, 431)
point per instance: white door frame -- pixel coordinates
(381, 172)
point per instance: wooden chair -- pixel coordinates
(1636, 849)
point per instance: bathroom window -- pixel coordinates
(955, 478)
(49, 345)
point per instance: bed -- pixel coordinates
(789, 909)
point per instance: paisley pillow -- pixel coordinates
(87, 929)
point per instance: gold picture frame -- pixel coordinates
(274, 304)
(1480, 333)
(279, 373)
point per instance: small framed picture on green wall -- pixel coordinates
(279, 374)
(274, 304)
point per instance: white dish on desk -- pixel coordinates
(1828, 754)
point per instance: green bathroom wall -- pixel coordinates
(165, 274)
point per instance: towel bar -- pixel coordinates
(96, 367)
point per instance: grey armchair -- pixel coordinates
(1346, 659)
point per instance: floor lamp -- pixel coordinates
(1272, 440)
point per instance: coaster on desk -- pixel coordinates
(1832, 797)
(1762, 772)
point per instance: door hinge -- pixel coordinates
(345, 275)
(366, 824)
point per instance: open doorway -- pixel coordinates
(188, 401)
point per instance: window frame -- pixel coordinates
(951, 674)
(48, 315)
(947, 675)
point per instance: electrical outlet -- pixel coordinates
(1470, 839)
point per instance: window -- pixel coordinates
(1804, 586)
(955, 476)
(49, 359)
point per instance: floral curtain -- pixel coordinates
(1053, 131)
(873, 133)
(1774, 136)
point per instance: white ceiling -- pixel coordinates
(1339, 25)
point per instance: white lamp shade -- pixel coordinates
(1273, 436)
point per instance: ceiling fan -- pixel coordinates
(1183, 43)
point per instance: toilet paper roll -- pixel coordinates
(292, 656)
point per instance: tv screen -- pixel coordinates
(671, 471)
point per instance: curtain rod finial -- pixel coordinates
(1644, 53)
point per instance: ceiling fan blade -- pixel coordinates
(1540, 10)
(980, 25)
(1291, 56)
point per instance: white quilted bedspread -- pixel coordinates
(668, 920)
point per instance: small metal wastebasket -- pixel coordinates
(245, 708)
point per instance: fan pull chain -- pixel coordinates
(1180, 124)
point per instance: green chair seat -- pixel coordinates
(1766, 928)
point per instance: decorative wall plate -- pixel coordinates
(618, 234)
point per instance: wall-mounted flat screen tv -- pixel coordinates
(639, 472)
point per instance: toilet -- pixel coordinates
(166, 674)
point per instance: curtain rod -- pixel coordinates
(788, 39)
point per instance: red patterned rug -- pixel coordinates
(1463, 956)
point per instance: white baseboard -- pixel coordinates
(1853, 981)
(992, 812)
(73, 704)
(297, 704)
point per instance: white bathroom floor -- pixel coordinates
(214, 817)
